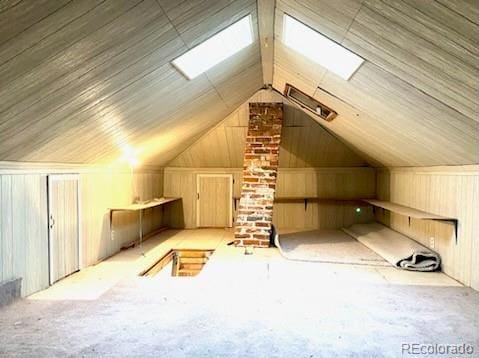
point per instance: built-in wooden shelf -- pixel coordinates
(145, 205)
(139, 207)
(307, 199)
(412, 213)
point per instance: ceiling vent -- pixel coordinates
(309, 103)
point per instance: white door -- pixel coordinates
(214, 200)
(63, 225)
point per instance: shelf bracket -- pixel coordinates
(111, 225)
(454, 222)
(456, 228)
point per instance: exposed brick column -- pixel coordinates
(260, 168)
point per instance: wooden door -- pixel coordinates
(215, 197)
(63, 225)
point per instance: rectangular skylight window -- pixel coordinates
(319, 48)
(216, 49)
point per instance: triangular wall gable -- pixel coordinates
(305, 143)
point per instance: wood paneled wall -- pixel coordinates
(448, 191)
(24, 230)
(337, 183)
(304, 142)
(181, 182)
(23, 219)
(98, 192)
(327, 183)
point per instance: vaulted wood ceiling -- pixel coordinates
(415, 100)
(80, 81)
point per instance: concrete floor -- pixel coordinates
(239, 306)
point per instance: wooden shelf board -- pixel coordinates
(314, 198)
(407, 211)
(151, 204)
(306, 200)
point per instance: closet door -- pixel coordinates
(63, 225)
(214, 194)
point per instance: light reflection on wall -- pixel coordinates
(160, 145)
(112, 126)
(130, 156)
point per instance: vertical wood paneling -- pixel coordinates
(24, 225)
(304, 142)
(181, 214)
(2, 214)
(319, 215)
(23, 231)
(450, 193)
(340, 183)
(475, 238)
(99, 191)
(6, 227)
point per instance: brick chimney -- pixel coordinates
(260, 168)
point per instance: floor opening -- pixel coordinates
(185, 262)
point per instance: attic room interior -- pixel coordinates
(239, 178)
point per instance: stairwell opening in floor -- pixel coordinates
(184, 262)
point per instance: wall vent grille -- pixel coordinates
(309, 103)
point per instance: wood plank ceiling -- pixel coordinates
(80, 81)
(83, 81)
(415, 100)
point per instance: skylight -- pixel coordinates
(319, 48)
(216, 49)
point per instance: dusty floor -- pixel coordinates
(239, 306)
